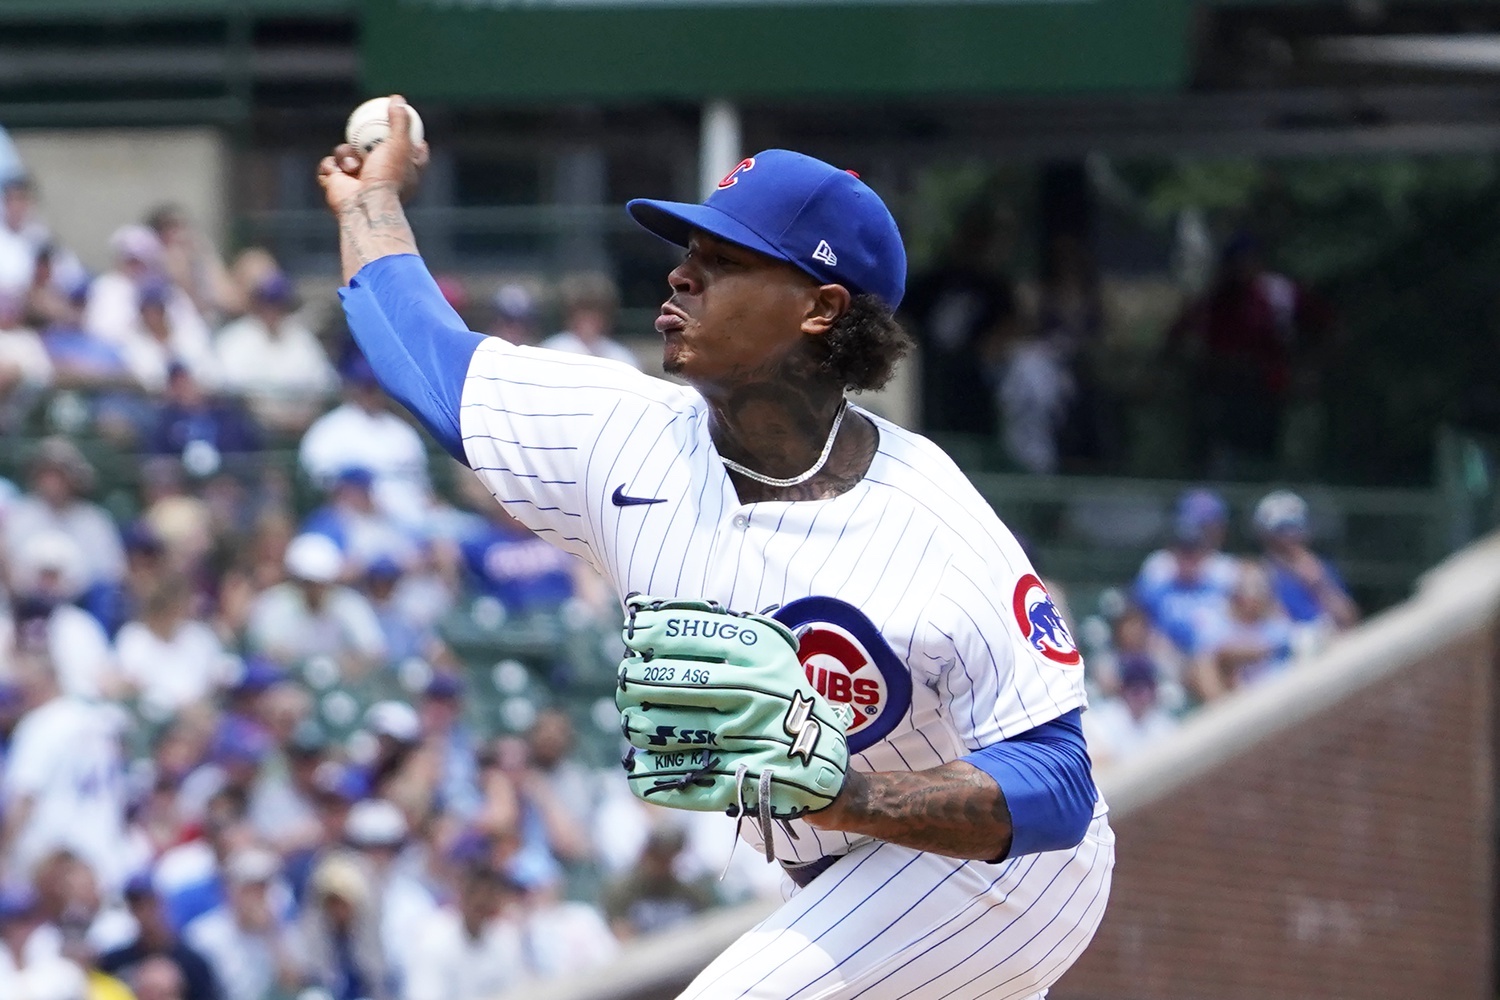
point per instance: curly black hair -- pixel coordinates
(862, 349)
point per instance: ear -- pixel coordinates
(826, 304)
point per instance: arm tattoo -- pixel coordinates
(372, 225)
(955, 810)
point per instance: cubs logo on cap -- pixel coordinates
(825, 221)
(849, 662)
(1041, 623)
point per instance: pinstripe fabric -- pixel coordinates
(912, 550)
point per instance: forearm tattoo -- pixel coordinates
(955, 810)
(372, 225)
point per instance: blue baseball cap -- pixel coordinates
(825, 221)
(1197, 511)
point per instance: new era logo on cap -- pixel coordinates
(788, 203)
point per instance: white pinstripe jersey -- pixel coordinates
(913, 602)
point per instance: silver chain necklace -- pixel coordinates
(838, 418)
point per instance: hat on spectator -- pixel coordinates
(375, 823)
(258, 674)
(156, 293)
(515, 304)
(250, 865)
(340, 875)
(140, 886)
(140, 537)
(62, 455)
(334, 780)
(1197, 511)
(383, 567)
(314, 558)
(395, 719)
(1281, 512)
(354, 475)
(274, 289)
(137, 242)
(1137, 671)
(240, 740)
(444, 686)
(358, 371)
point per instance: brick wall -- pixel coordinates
(1349, 856)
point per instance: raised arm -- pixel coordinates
(365, 193)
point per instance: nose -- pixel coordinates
(683, 279)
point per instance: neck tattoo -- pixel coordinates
(838, 418)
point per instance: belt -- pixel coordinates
(804, 874)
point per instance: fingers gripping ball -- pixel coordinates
(720, 715)
(371, 124)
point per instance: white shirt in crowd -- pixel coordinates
(79, 648)
(22, 349)
(448, 964)
(289, 364)
(1113, 734)
(65, 758)
(350, 436)
(284, 627)
(113, 314)
(559, 938)
(86, 524)
(244, 962)
(607, 348)
(171, 672)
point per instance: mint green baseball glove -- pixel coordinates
(720, 715)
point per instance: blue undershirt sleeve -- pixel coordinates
(1048, 783)
(418, 346)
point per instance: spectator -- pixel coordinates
(25, 368)
(570, 785)
(956, 310)
(244, 940)
(47, 576)
(1034, 392)
(516, 316)
(471, 951)
(1184, 588)
(1252, 643)
(123, 301)
(364, 433)
(408, 631)
(339, 933)
(159, 978)
(284, 802)
(564, 937)
(191, 263)
(190, 876)
(1119, 726)
(59, 478)
(1308, 587)
(21, 221)
(197, 428)
(1247, 341)
(29, 945)
(651, 898)
(451, 741)
(62, 787)
(591, 303)
(360, 529)
(312, 615)
(170, 659)
(154, 939)
(273, 359)
(378, 832)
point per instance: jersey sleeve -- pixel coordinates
(541, 428)
(1005, 660)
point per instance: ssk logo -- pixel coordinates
(802, 728)
(711, 629)
(666, 735)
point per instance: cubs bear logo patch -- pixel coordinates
(1042, 624)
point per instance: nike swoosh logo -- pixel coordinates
(619, 499)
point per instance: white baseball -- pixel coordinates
(371, 123)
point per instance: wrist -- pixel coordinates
(846, 806)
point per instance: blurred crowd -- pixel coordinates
(240, 755)
(1198, 623)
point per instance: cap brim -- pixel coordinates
(674, 221)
